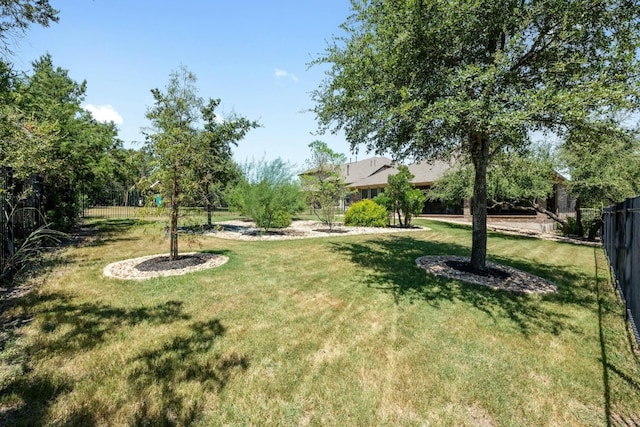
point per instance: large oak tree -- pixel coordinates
(473, 78)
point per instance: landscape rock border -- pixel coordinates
(127, 269)
(299, 229)
(516, 281)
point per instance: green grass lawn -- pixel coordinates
(329, 331)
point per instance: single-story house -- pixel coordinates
(368, 178)
(425, 174)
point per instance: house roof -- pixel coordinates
(356, 171)
(425, 173)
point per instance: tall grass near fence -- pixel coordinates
(330, 331)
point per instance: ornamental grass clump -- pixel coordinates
(366, 213)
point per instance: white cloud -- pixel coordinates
(104, 113)
(285, 74)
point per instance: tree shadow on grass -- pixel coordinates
(99, 232)
(116, 225)
(161, 377)
(65, 327)
(169, 383)
(391, 263)
(27, 399)
(85, 325)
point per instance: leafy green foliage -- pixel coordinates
(173, 140)
(473, 78)
(604, 164)
(17, 15)
(44, 131)
(384, 200)
(323, 184)
(406, 201)
(268, 194)
(214, 167)
(366, 213)
(190, 148)
(513, 180)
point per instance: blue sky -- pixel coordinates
(253, 55)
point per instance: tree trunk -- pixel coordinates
(595, 226)
(173, 233)
(479, 143)
(207, 200)
(579, 227)
(553, 216)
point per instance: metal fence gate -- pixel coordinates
(621, 239)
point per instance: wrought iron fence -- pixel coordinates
(110, 203)
(621, 239)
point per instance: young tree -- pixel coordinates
(215, 167)
(268, 194)
(187, 143)
(323, 184)
(173, 140)
(401, 197)
(473, 78)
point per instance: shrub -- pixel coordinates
(385, 201)
(268, 194)
(366, 213)
(279, 219)
(573, 228)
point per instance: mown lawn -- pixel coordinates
(333, 331)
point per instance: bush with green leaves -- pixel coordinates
(402, 198)
(366, 213)
(268, 194)
(323, 183)
(383, 200)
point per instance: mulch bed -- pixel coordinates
(164, 263)
(495, 276)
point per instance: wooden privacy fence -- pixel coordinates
(621, 239)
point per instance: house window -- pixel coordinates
(374, 192)
(365, 194)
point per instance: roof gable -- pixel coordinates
(425, 173)
(355, 171)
